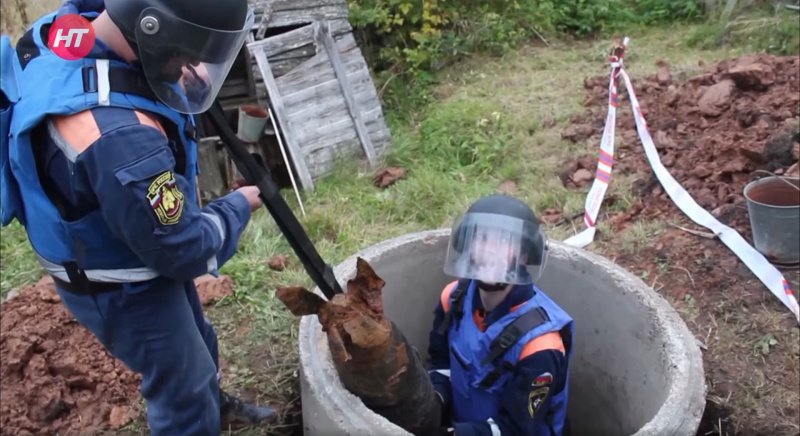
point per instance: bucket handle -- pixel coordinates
(780, 178)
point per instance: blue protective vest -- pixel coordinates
(469, 346)
(36, 85)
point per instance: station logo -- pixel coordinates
(71, 37)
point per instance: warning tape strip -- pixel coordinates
(770, 276)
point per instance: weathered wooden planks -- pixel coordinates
(316, 71)
(320, 161)
(312, 94)
(294, 12)
(285, 125)
(294, 5)
(329, 112)
(328, 133)
(322, 37)
(297, 38)
(285, 53)
(326, 106)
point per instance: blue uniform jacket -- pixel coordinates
(514, 418)
(122, 155)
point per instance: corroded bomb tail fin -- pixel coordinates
(300, 301)
(366, 287)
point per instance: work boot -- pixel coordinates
(235, 413)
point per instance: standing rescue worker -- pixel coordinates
(500, 348)
(99, 165)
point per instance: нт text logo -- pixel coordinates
(71, 37)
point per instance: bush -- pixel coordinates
(420, 36)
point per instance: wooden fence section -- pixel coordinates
(289, 50)
(288, 22)
(324, 115)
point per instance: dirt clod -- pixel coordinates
(716, 98)
(278, 262)
(212, 289)
(552, 216)
(508, 187)
(577, 132)
(757, 76)
(579, 172)
(663, 76)
(779, 151)
(121, 416)
(388, 176)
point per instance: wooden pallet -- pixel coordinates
(327, 105)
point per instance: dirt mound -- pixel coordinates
(56, 378)
(712, 131)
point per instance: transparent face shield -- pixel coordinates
(496, 249)
(184, 63)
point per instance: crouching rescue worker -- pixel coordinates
(500, 348)
(99, 164)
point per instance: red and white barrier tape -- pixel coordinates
(755, 261)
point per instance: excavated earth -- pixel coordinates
(715, 132)
(712, 132)
(56, 377)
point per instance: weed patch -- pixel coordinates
(774, 31)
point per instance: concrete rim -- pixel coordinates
(684, 403)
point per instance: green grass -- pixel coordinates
(772, 31)
(483, 125)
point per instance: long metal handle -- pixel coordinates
(259, 175)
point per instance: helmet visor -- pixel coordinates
(184, 63)
(496, 249)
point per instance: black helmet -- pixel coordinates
(185, 47)
(497, 240)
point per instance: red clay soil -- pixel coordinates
(713, 132)
(56, 377)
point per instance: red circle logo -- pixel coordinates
(71, 37)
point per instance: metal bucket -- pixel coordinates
(252, 120)
(774, 209)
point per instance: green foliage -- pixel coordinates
(420, 36)
(659, 11)
(775, 31)
(458, 138)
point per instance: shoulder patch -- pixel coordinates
(536, 399)
(165, 198)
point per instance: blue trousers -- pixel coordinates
(161, 333)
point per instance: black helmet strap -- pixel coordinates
(494, 287)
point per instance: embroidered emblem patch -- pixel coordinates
(536, 399)
(166, 199)
(543, 380)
